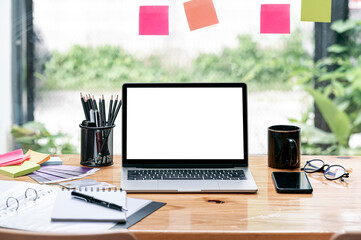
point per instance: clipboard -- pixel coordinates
(139, 215)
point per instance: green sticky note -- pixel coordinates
(19, 170)
(316, 10)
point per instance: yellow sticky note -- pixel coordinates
(19, 170)
(36, 157)
(316, 10)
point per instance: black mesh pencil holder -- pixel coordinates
(96, 148)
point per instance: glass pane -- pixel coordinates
(94, 47)
(334, 172)
(313, 165)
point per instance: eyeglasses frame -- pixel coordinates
(322, 169)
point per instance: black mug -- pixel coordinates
(284, 146)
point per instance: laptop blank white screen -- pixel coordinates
(185, 123)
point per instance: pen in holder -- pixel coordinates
(96, 145)
(97, 131)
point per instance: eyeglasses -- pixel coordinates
(332, 172)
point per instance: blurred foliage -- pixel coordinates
(339, 100)
(261, 68)
(34, 136)
(107, 67)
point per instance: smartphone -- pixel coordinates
(291, 182)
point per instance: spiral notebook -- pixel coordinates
(29, 206)
(68, 208)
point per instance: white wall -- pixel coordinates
(5, 75)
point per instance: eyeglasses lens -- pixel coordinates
(334, 172)
(313, 165)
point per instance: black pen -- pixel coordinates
(91, 199)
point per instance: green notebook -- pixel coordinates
(19, 170)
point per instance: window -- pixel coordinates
(94, 46)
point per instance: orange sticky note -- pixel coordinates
(200, 14)
(37, 157)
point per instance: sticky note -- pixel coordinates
(52, 161)
(37, 157)
(275, 18)
(10, 156)
(153, 20)
(316, 10)
(200, 14)
(13, 158)
(20, 170)
(13, 162)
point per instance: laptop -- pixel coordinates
(185, 137)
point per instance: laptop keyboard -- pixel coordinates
(186, 174)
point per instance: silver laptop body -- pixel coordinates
(185, 137)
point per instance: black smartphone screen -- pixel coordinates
(291, 182)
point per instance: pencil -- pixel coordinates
(98, 133)
(104, 111)
(108, 133)
(100, 113)
(113, 111)
(86, 106)
(83, 105)
(97, 118)
(110, 110)
(90, 105)
(92, 101)
(117, 111)
(95, 103)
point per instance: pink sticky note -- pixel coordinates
(14, 162)
(275, 18)
(153, 20)
(17, 154)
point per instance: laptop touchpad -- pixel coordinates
(188, 185)
(146, 185)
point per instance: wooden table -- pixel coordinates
(334, 206)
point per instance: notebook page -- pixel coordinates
(69, 208)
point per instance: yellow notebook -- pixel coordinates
(19, 170)
(36, 157)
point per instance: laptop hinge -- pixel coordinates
(184, 166)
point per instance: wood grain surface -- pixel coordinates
(334, 206)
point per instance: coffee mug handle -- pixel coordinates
(293, 151)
